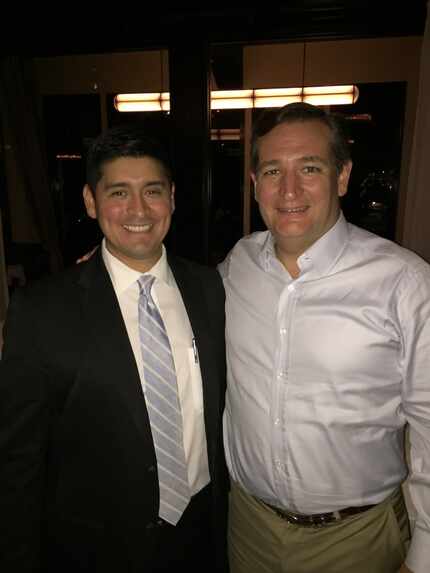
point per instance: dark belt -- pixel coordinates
(317, 519)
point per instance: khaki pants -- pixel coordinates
(375, 541)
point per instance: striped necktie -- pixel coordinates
(161, 394)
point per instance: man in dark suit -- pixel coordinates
(79, 466)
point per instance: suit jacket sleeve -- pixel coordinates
(28, 407)
(24, 421)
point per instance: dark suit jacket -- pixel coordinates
(77, 462)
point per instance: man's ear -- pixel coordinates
(343, 179)
(172, 197)
(90, 202)
(254, 182)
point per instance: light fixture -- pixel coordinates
(330, 95)
(143, 102)
(245, 99)
(225, 134)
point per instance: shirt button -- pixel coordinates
(277, 421)
(283, 331)
(290, 288)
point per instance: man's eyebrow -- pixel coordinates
(314, 159)
(156, 182)
(303, 159)
(122, 184)
(115, 185)
(267, 163)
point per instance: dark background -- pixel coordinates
(208, 219)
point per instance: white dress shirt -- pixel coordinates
(323, 372)
(169, 302)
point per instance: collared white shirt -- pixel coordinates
(323, 372)
(169, 302)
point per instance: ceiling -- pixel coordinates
(113, 30)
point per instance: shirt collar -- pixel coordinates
(122, 276)
(268, 253)
(324, 253)
(321, 256)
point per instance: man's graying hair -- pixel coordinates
(301, 112)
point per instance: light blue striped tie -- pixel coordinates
(161, 394)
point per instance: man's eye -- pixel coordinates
(118, 193)
(154, 192)
(274, 171)
(311, 169)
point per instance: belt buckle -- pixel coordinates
(314, 520)
(319, 520)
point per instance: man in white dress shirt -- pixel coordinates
(328, 359)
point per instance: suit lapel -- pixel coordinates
(110, 356)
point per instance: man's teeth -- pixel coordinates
(137, 228)
(296, 210)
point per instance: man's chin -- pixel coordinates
(291, 231)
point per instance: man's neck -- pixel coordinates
(289, 261)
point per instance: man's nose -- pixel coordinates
(289, 185)
(137, 204)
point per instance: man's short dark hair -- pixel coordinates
(123, 141)
(301, 112)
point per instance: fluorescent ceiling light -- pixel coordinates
(245, 99)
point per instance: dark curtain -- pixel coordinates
(416, 234)
(21, 121)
